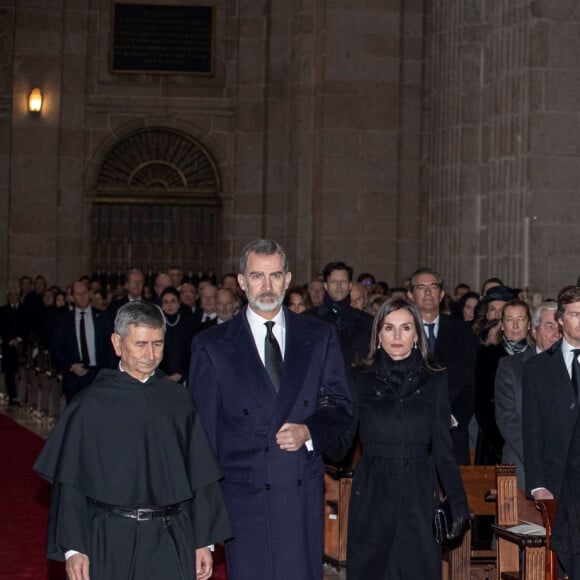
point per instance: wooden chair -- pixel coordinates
(337, 486)
(519, 556)
(478, 480)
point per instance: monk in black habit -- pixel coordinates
(136, 491)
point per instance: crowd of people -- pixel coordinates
(421, 379)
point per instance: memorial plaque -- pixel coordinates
(151, 38)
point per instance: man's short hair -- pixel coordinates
(138, 313)
(332, 266)
(568, 295)
(425, 270)
(543, 307)
(262, 248)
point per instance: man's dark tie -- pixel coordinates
(431, 335)
(86, 359)
(273, 356)
(576, 372)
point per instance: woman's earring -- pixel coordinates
(379, 345)
(415, 343)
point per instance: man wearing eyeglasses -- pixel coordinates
(452, 345)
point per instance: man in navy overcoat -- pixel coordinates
(269, 418)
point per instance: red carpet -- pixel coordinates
(24, 499)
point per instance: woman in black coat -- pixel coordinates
(403, 417)
(178, 335)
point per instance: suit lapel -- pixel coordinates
(561, 375)
(298, 352)
(242, 350)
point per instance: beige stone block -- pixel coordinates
(378, 174)
(248, 227)
(380, 203)
(249, 146)
(537, 90)
(470, 144)
(562, 90)
(252, 28)
(553, 173)
(560, 10)
(342, 143)
(251, 62)
(471, 106)
(248, 176)
(382, 45)
(338, 175)
(339, 111)
(565, 45)
(555, 134)
(539, 41)
(378, 113)
(411, 48)
(222, 125)
(332, 249)
(250, 117)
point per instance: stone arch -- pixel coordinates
(156, 203)
(159, 162)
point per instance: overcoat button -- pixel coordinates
(245, 412)
(267, 448)
(572, 406)
(267, 486)
(306, 403)
(299, 483)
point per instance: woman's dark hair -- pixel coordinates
(458, 307)
(170, 290)
(301, 292)
(392, 305)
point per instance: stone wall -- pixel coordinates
(501, 144)
(386, 134)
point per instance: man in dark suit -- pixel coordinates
(13, 332)
(550, 402)
(206, 311)
(353, 326)
(453, 346)
(81, 344)
(565, 539)
(508, 387)
(271, 390)
(134, 286)
(225, 307)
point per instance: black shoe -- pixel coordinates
(14, 403)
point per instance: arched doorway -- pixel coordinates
(157, 205)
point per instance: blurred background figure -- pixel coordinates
(358, 296)
(297, 299)
(316, 293)
(178, 334)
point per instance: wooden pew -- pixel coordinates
(337, 486)
(548, 508)
(514, 508)
(478, 480)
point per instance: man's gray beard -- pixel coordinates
(266, 306)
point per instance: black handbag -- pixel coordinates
(442, 521)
